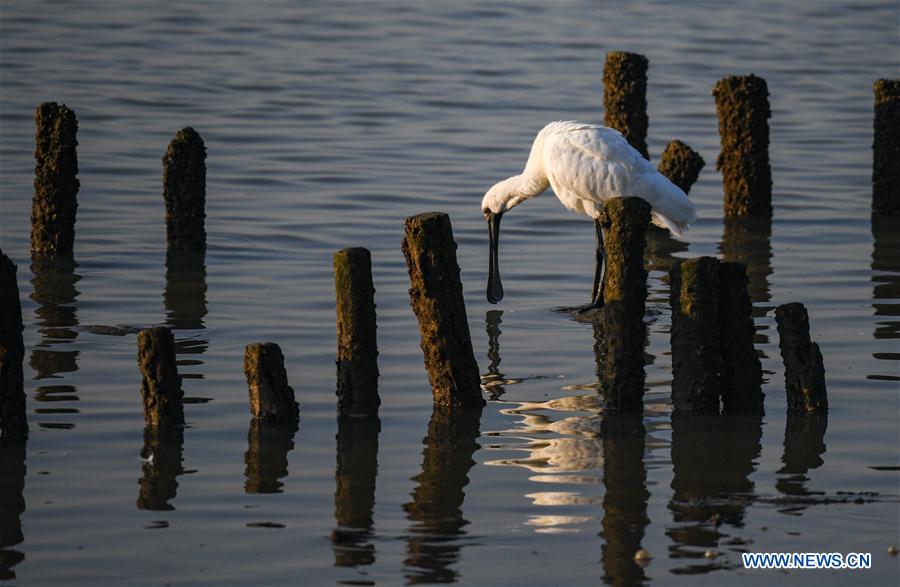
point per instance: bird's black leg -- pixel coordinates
(597, 292)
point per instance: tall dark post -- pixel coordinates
(357, 347)
(266, 459)
(436, 298)
(741, 371)
(13, 420)
(12, 504)
(55, 181)
(271, 398)
(354, 495)
(681, 164)
(625, 225)
(625, 500)
(184, 191)
(625, 97)
(742, 104)
(886, 148)
(160, 386)
(436, 507)
(696, 360)
(161, 463)
(804, 372)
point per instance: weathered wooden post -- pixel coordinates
(741, 371)
(55, 182)
(694, 299)
(184, 191)
(625, 97)
(357, 347)
(742, 104)
(161, 385)
(804, 372)
(436, 298)
(886, 148)
(13, 421)
(681, 164)
(624, 286)
(271, 398)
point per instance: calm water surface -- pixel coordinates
(326, 124)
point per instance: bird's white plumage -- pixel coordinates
(586, 165)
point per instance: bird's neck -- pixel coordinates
(532, 181)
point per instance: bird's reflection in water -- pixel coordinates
(625, 500)
(184, 298)
(12, 505)
(161, 461)
(493, 380)
(713, 458)
(266, 459)
(56, 315)
(886, 277)
(354, 495)
(749, 241)
(804, 445)
(434, 541)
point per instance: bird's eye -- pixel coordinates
(486, 211)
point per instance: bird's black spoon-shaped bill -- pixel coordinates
(494, 285)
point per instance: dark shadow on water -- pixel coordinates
(625, 501)
(184, 298)
(354, 494)
(492, 381)
(12, 505)
(161, 463)
(749, 241)
(886, 277)
(433, 545)
(266, 459)
(661, 249)
(712, 457)
(56, 316)
(804, 446)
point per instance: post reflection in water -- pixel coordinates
(161, 463)
(12, 505)
(713, 458)
(266, 459)
(749, 241)
(886, 278)
(185, 300)
(625, 501)
(493, 380)
(354, 495)
(661, 249)
(56, 316)
(433, 545)
(804, 445)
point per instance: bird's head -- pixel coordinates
(500, 198)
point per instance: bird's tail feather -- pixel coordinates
(671, 207)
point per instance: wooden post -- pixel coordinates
(55, 181)
(681, 164)
(804, 372)
(13, 421)
(741, 371)
(271, 398)
(694, 299)
(161, 385)
(621, 358)
(184, 191)
(625, 97)
(625, 225)
(357, 347)
(886, 147)
(742, 104)
(436, 298)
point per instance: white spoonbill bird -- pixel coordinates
(586, 165)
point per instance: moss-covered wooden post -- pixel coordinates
(357, 348)
(694, 299)
(742, 104)
(160, 383)
(741, 371)
(625, 97)
(804, 371)
(13, 421)
(886, 148)
(55, 182)
(184, 191)
(271, 398)
(681, 164)
(436, 298)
